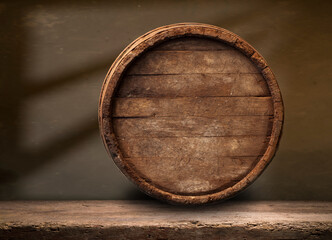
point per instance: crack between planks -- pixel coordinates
(259, 155)
(191, 116)
(175, 74)
(191, 136)
(178, 96)
(194, 50)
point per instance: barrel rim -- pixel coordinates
(142, 44)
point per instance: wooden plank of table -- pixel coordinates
(155, 220)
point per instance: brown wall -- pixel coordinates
(55, 54)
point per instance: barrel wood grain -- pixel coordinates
(192, 106)
(193, 126)
(193, 146)
(200, 85)
(198, 174)
(186, 62)
(191, 113)
(192, 44)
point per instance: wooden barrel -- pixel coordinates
(191, 113)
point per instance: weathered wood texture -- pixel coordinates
(187, 147)
(188, 85)
(193, 126)
(193, 106)
(189, 116)
(189, 62)
(151, 220)
(212, 175)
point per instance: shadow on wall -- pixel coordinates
(17, 160)
(57, 53)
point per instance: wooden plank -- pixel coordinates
(193, 147)
(231, 84)
(194, 106)
(192, 126)
(153, 220)
(192, 43)
(186, 175)
(188, 62)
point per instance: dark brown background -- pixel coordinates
(54, 56)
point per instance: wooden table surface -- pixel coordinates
(155, 220)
